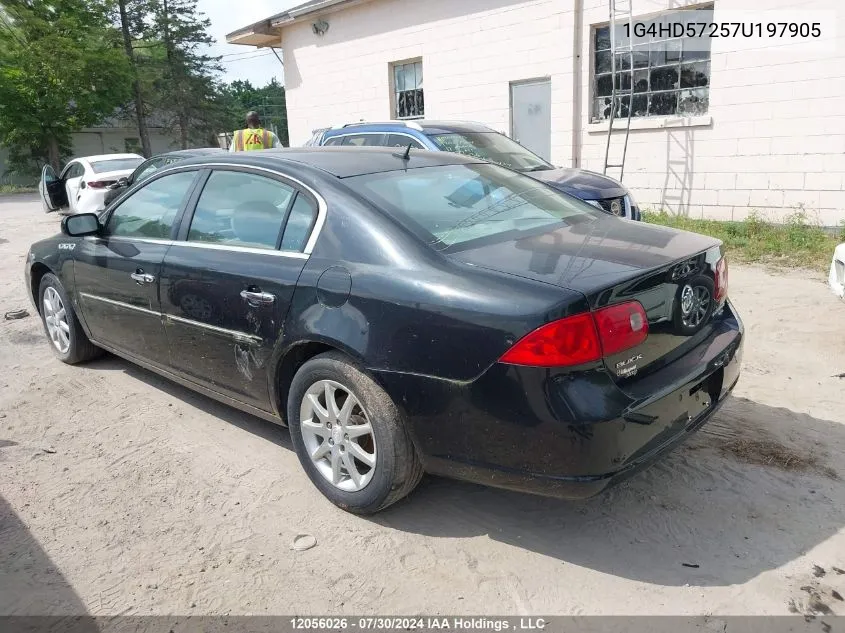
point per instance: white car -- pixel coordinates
(83, 183)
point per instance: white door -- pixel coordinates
(72, 177)
(531, 116)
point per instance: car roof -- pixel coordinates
(101, 157)
(419, 125)
(341, 162)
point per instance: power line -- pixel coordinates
(240, 53)
(232, 61)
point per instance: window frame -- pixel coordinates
(622, 93)
(298, 187)
(180, 213)
(395, 92)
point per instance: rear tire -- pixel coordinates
(67, 339)
(341, 421)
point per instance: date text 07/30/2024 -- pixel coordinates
(418, 623)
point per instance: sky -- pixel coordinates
(258, 65)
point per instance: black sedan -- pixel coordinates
(404, 312)
(146, 169)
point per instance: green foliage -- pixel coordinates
(797, 242)
(61, 69)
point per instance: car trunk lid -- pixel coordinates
(612, 261)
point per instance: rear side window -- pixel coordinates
(240, 209)
(455, 204)
(303, 214)
(151, 211)
(115, 164)
(400, 140)
(364, 140)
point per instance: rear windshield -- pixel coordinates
(115, 164)
(455, 204)
(493, 147)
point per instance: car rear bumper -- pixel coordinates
(564, 435)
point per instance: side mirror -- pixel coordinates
(121, 182)
(81, 224)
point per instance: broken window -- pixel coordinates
(669, 76)
(408, 90)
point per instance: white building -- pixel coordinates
(744, 126)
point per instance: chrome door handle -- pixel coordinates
(258, 298)
(142, 278)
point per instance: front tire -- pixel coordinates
(349, 436)
(67, 338)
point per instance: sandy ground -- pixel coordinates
(121, 493)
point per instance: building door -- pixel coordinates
(531, 115)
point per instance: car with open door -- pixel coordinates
(146, 169)
(82, 185)
(404, 312)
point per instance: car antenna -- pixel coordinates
(407, 154)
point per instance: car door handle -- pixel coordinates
(142, 278)
(255, 298)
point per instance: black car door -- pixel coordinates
(117, 272)
(227, 283)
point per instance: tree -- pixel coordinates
(126, 24)
(188, 86)
(61, 69)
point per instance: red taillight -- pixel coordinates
(583, 338)
(570, 341)
(721, 280)
(621, 327)
(100, 184)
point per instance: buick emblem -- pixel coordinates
(616, 207)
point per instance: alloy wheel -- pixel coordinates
(55, 316)
(338, 435)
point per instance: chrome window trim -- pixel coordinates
(243, 249)
(322, 209)
(119, 304)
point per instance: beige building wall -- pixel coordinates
(773, 140)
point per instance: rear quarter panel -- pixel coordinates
(394, 304)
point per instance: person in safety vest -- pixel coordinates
(254, 136)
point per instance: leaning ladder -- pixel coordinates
(621, 13)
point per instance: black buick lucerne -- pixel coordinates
(404, 311)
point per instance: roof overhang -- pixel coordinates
(268, 32)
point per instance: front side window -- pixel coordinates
(334, 140)
(146, 170)
(151, 211)
(241, 209)
(408, 90)
(493, 147)
(670, 76)
(454, 204)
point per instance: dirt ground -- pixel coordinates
(121, 493)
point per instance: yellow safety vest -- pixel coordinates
(252, 139)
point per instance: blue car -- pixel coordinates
(479, 141)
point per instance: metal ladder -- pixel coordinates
(621, 13)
